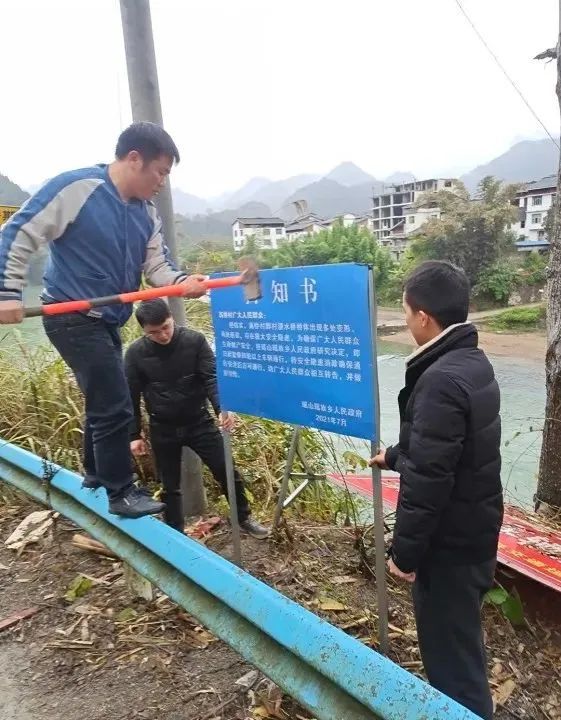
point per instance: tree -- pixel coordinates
(549, 478)
(533, 270)
(497, 282)
(339, 245)
(471, 233)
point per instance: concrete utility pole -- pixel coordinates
(146, 106)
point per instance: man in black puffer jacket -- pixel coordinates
(174, 369)
(450, 504)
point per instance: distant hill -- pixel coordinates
(239, 197)
(398, 178)
(274, 194)
(525, 161)
(327, 198)
(187, 204)
(219, 225)
(348, 174)
(10, 193)
(345, 188)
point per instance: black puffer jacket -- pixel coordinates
(450, 504)
(176, 380)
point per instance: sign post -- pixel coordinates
(231, 483)
(294, 440)
(305, 354)
(379, 543)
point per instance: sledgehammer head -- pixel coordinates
(249, 279)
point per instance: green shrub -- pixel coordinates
(518, 319)
(497, 282)
(534, 269)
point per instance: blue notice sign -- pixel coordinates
(303, 354)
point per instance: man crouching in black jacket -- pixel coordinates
(174, 369)
(450, 504)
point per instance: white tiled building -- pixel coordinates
(305, 225)
(268, 233)
(312, 224)
(346, 219)
(534, 200)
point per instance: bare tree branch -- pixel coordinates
(550, 54)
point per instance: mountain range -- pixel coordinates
(346, 188)
(525, 161)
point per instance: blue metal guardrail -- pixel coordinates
(333, 675)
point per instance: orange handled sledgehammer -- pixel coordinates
(248, 279)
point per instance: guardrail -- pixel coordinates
(333, 675)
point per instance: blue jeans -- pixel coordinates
(92, 349)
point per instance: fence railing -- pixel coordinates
(333, 675)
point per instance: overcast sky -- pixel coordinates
(277, 87)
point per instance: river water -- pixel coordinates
(522, 386)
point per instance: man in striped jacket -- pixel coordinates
(103, 233)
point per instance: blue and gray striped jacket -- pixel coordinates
(98, 244)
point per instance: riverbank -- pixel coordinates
(523, 346)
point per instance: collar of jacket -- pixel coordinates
(463, 335)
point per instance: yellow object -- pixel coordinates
(6, 212)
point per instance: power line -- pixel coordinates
(505, 73)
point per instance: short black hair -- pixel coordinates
(441, 290)
(152, 312)
(150, 140)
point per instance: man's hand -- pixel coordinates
(396, 572)
(193, 286)
(379, 460)
(11, 312)
(227, 421)
(138, 447)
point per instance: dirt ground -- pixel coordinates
(104, 656)
(525, 346)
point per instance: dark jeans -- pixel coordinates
(92, 350)
(447, 604)
(204, 438)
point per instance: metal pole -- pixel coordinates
(381, 587)
(146, 106)
(231, 480)
(286, 477)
